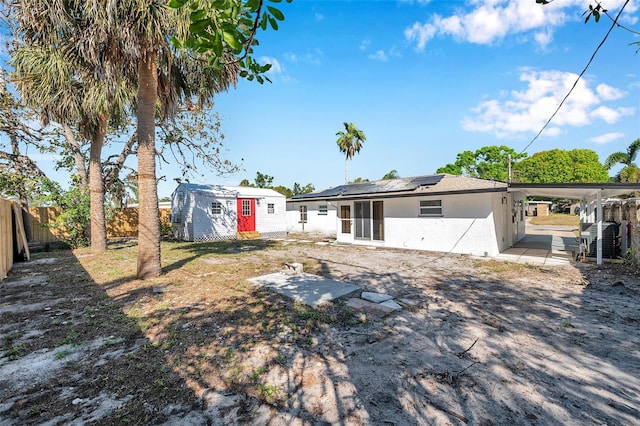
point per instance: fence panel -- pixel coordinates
(122, 223)
(6, 238)
(40, 218)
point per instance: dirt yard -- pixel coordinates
(478, 342)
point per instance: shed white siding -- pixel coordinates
(322, 220)
(271, 223)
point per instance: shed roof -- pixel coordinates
(228, 191)
(419, 185)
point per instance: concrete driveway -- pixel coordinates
(544, 245)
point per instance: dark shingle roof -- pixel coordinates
(440, 183)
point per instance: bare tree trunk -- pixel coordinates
(77, 155)
(149, 265)
(96, 186)
(346, 171)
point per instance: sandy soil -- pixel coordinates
(480, 342)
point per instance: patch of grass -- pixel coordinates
(63, 354)
(500, 267)
(557, 219)
(14, 352)
(69, 339)
(269, 392)
(567, 324)
(258, 372)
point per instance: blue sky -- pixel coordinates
(425, 80)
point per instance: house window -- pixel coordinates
(431, 208)
(323, 209)
(216, 208)
(303, 214)
(271, 208)
(246, 207)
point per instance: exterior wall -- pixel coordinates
(271, 224)
(192, 219)
(322, 224)
(468, 225)
(207, 226)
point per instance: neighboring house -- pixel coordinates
(444, 213)
(538, 208)
(217, 212)
(311, 216)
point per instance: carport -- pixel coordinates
(583, 192)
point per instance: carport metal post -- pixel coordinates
(599, 228)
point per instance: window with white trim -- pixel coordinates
(323, 209)
(430, 207)
(246, 207)
(216, 208)
(271, 208)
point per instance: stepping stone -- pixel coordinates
(375, 297)
(368, 307)
(407, 302)
(391, 304)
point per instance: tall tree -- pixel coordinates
(225, 32)
(350, 141)
(65, 70)
(630, 171)
(489, 162)
(561, 166)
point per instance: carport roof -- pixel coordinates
(575, 191)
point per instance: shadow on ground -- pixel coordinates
(477, 343)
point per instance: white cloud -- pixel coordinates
(365, 44)
(313, 57)
(379, 56)
(319, 17)
(609, 93)
(607, 138)
(489, 21)
(611, 115)
(525, 111)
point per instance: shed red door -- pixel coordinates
(246, 214)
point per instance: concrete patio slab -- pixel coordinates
(305, 288)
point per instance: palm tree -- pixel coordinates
(630, 172)
(393, 174)
(127, 44)
(350, 141)
(57, 73)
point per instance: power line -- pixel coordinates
(613, 25)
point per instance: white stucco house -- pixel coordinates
(217, 212)
(311, 216)
(442, 212)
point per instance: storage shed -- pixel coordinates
(217, 212)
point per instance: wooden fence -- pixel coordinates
(120, 224)
(12, 237)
